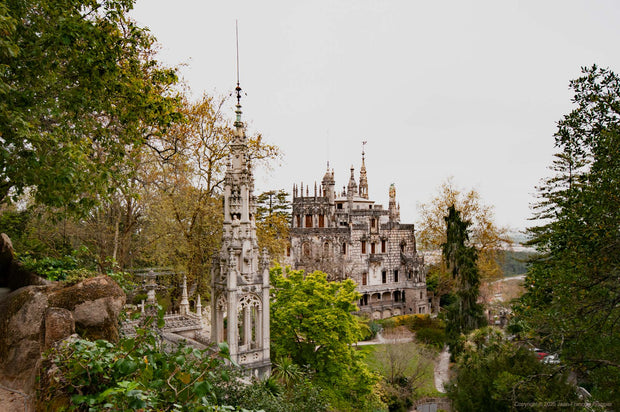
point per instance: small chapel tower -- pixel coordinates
(240, 277)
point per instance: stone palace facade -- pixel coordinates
(346, 235)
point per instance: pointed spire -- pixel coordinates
(363, 176)
(352, 187)
(184, 306)
(238, 122)
(199, 307)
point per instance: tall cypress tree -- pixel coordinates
(465, 314)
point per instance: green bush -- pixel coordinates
(125, 281)
(431, 336)
(141, 373)
(74, 276)
(388, 323)
(49, 267)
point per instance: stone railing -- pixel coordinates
(383, 305)
(172, 323)
(249, 357)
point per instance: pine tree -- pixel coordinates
(572, 304)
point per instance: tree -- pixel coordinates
(572, 299)
(78, 89)
(311, 322)
(439, 282)
(465, 314)
(404, 367)
(273, 220)
(494, 375)
(485, 234)
(184, 205)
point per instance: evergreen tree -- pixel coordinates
(465, 314)
(572, 302)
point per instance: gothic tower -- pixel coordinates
(240, 277)
(363, 178)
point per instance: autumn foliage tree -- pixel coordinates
(488, 237)
(273, 220)
(184, 202)
(485, 234)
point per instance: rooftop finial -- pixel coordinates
(238, 122)
(238, 88)
(363, 147)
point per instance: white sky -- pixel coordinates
(470, 89)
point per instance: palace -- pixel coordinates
(346, 235)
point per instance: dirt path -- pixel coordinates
(11, 401)
(442, 370)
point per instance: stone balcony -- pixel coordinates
(390, 287)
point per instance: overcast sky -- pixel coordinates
(469, 89)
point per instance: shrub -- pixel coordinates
(432, 337)
(142, 373)
(74, 276)
(49, 267)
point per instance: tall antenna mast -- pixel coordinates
(238, 88)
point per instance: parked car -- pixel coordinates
(552, 359)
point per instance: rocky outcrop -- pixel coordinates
(35, 317)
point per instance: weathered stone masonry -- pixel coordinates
(240, 277)
(349, 236)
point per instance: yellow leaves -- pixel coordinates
(184, 377)
(484, 233)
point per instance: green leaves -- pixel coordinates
(494, 374)
(79, 90)
(571, 304)
(311, 322)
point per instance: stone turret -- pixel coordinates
(363, 179)
(329, 185)
(184, 305)
(394, 209)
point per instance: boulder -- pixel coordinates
(95, 304)
(59, 325)
(21, 331)
(34, 317)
